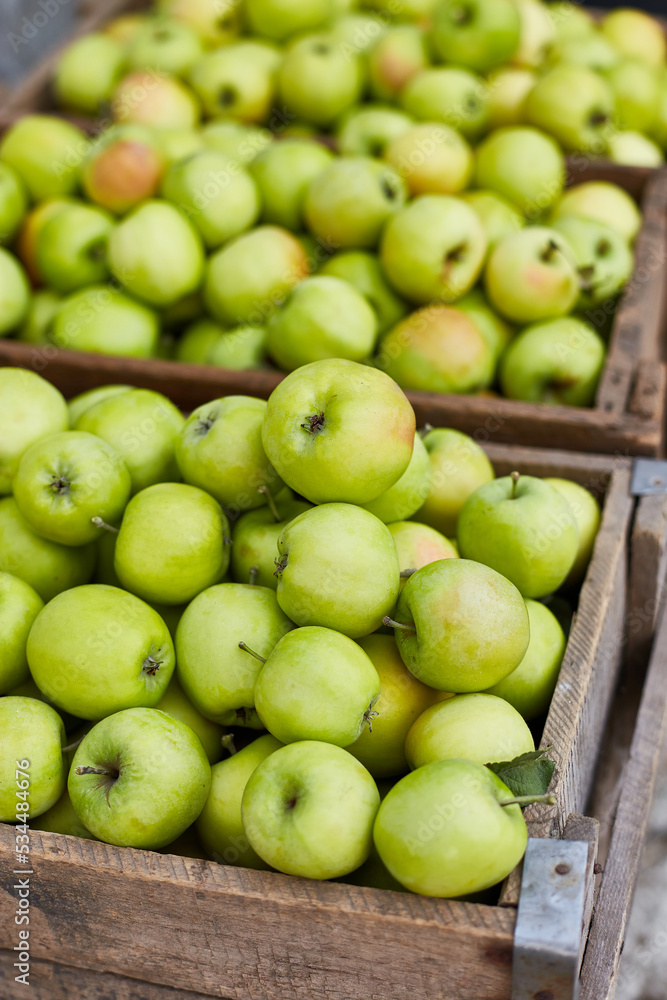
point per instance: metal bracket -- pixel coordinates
(649, 477)
(549, 923)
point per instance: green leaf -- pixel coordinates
(528, 774)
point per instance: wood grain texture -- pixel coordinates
(584, 828)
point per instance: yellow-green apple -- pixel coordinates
(255, 540)
(31, 409)
(636, 35)
(61, 818)
(85, 400)
(659, 127)
(123, 28)
(532, 275)
(179, 143)
(448, 94)
(71, 249)
(242, 348)
(523, 165)
(570, 20)
(494, 329)
(156, 99)
(603, 258)
(196, 342)
(32, 767)
(407, 495)
(498, 216)
(19, 606)
(238, 141)
(508, 89)
(217, 22)
(238, 80)
(604, 202)
(459, 466)
(283, 172)
(281, 18)
(397, 56)
(13, 203)
(587, 514)
(432, 158)
(175, 702)
(14, 292)
(479, 34)
(369, 129)
(26, 243)
(123, 168)
(164, 45)
(633, 149)
(102, 320)
(46, 152)
(363, 271)
(418, 545)
(88, 72)
(636, 88)
(318, 81)
(44, 304)
(537, 34)
(575, 105)
(591, 50)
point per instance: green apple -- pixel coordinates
(124, 27)
(604, 202)
(523, 165)
(165, 46)
(238, 141)
(603, 258)
(407, 495)
(220, 450)
(586, 512)
(659, 128)
(570, 20)
(316, 684)
(13, 202)
(95, 650)
(26, 242)
(530, 687)
(65, 480)
(175, 702)
(88, 72)
(537, 34)
(523, 528)
(558, 362)
(401, 701)
(32, 767)
(195, 344)
(282, 172)
(633, 149)
(72, 248)
(217, 22)
(139, 779)
(308, 810)
(448, 94)
(460, 625)
(369, 129)
(497, 215)
(532, 275)
(249, 277)
(102, 320)
(48, 567)
(179, 143)
(42, 310)
(399, 54)
(19, 606)
(356, 30)
(78, 405)
(239, 349)
(318, 81)
(479, 727)
(61, 818)
(323, 554)
(237, 81)
(172, 543)
(432, 158)
(161, 101)
(281, 18)
(338, 431)
(143, 427)
(46, 153)
(220, 826)
(591, 50)
(255, 541)
(433, 249)
(349, 202)
(362, 270)
(575, 105)
(459, 466)
(436, 349)
(30, 409)
(124, 167)
(157, 254)
(496, 331)
(636, 35)
(216, 674)
(508, 89)
(418, 545)
(14, 292)
(443, 830)
(478, 34)
(323, 317)
(636, 88)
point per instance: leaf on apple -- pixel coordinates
(528, 774)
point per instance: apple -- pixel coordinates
(570, 20)
(322, 555)
(85, 400)
(397, 56)
(139, 779)
(31, 408)
(508, 89)
(238, 141)
(477, 34)
(282, 172)
(575, 105)
(239, 349)
(523, 165)
(179, 143)
(432, 158)
(356, 30)
(161, 101)
(433, 249)
(220, 826)
(123, 168)
(634, 150)
(448, 94)
(362, 270)
(142, 426)
(26, 243)
(323, 317)
(219, 449)
(19, 606)
(47, 567)
(318, 81)
(369, 129)
(407, 495)
(217, 676)
(249, 277)
(460, 626)
(316, 684)
(13, 203)
(479, 727)
(532, 275)
(61, 818)
(443, 829)
(171, 544)
(72, 246)
(217, 22)
(308, 810)
(164, 45)
(124, 27)
(40, 315)
(529, 533)
(279, 19)
(401, 701)
(530, 687)
(556, 362)
(495, 331)
(459, 466)
(536, 36)
(603, 258)
(32, 769)
(46, 153)
(419, 11)
(237, 81)
(636, 35)
(14, 292)
(338, 431)
(255, 541)
(102, 320)
(586, 512)
(604, 202)
(659, 128)
(88, 72)
(591, 50)
(636, 88)
(175, 702)
(497, 215)
(196, 342)
(418, 545)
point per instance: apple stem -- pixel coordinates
(72, 746)
(426, 429)
(266, 492)
(99, 523)
(550, 251)
(405, 573)
(400, 625)
(228, 744)
(96, 770)
(252, 577)
(369, 716)
(527, 800)
(516, 476)
(246, 649)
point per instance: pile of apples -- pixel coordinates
(288, 182)
(308, 632)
